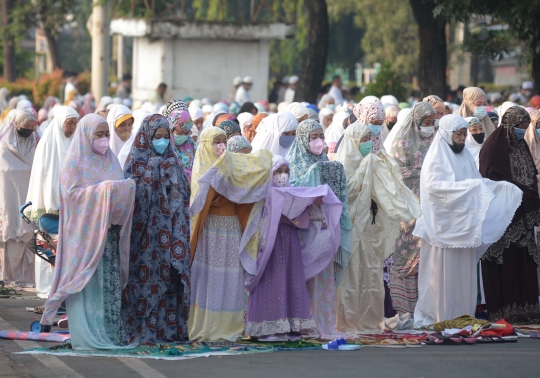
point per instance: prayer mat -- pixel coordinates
(180, 351)
(390, 339)
(54, 337)
(527, 329)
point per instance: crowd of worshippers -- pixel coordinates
(186, 220)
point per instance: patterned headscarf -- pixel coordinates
(230, 127)
(433, 100)
(237, 142)
(143, 151)
(511, 118)
(174, 104)
(180, 119)
(472, 121)
(504, 157)
(409, 148)
(160, 229)
(300, 155)
(367, 113)
(234, 108)
(205, 156)
(308, 169)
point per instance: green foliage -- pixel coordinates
(20, 19)
(207, 10)
(50, 14)
(286, 55)
(491, 87)
(345, 46)
(46, 85)
(137, 8)
(24, 60)
(75, 45)
(53, 13)
(20, 86)
(390, 31)
(387, 81)
(521, 16)
(493, 44)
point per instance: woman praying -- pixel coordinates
(92, 260)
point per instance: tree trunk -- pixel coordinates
(536, 67)
(53, 48)
(433, 60)
(9, 43)
(101, 16)
(475, 68)
(314, 63)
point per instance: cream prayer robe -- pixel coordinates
(378, 178)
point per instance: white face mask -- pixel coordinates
(426, 131)
(281, 180)
(480, 112)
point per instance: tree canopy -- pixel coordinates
(520, 16)
(389, 31)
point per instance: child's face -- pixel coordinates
(282, 169)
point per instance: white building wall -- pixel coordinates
(148, 68)
(199, 68)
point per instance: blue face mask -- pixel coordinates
(520, 133)
(161, 144)
(538, 132)
(285, 141)
(180, 139)
(375, 129)
(332, 107)
(365, 148)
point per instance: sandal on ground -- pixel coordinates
(340, 344)
(39, 309)
(436, 339)
(63, 323)
(293, 336)
(466, 339)
(278, 337)
(497, 339)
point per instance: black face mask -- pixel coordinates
(25, 133)
(457, 148)
(390, 125)
(479, 138)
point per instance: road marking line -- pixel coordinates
(141, 367)
(51, 362)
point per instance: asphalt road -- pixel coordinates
(503, 360)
